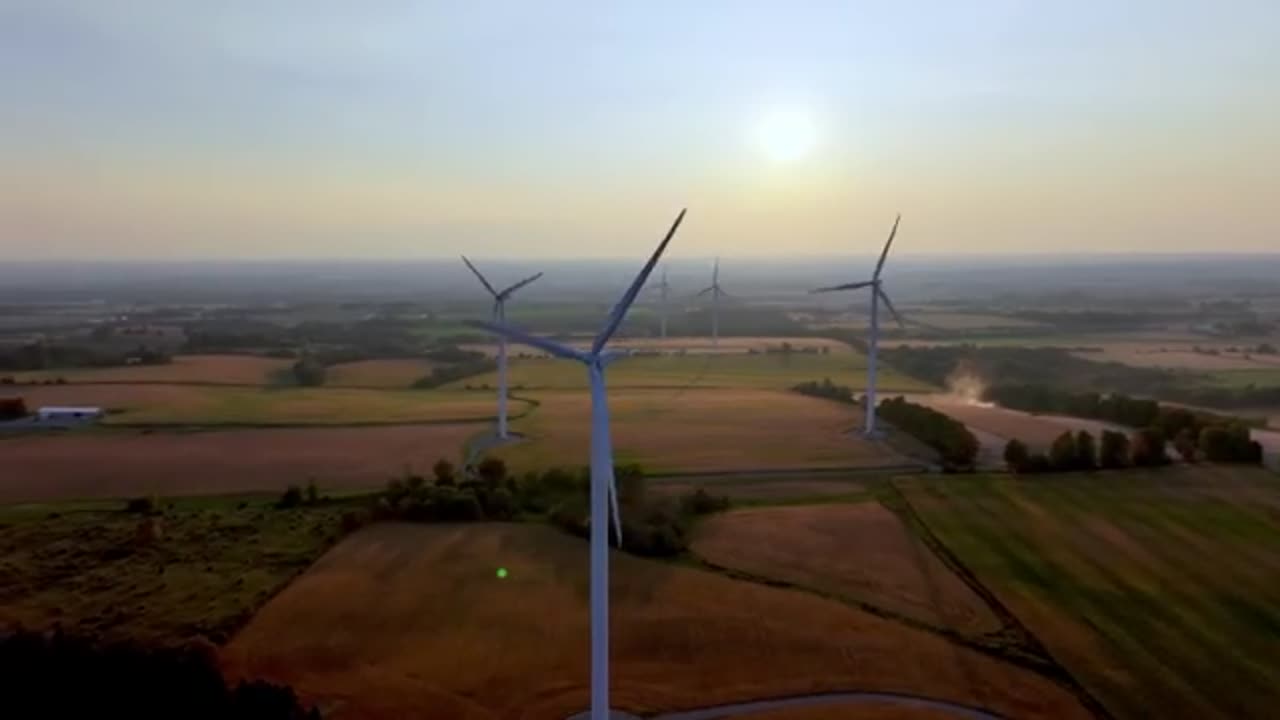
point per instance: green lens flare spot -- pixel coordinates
(502, 573)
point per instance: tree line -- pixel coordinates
(956, 446)
(653, 525)
(55, 675)
(1195, 434)
(1147, 447)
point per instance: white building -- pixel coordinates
(55, 413)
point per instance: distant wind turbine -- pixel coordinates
(664, 289)
(716, 291)
(604, 495)
(500, 316)
(877, 295)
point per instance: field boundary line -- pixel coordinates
(1025, 661)
(1056, 670)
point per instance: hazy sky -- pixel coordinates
(387, 128)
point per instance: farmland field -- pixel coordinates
(401, 617)
(127, 463)
(1036, 431)
(705, 371)
(388, 373)
(858, 551)
(1180, 356)
(1156, 589)
(765, 489)
(81, 568)
(147, 404)
(699, 430)
(700, 345)
(216, 369)
(1261, 377)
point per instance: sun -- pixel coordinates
(786, 135)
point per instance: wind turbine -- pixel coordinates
(877, 295)
(500, 316)
(604, 495)
(716, 291)
(664, 288)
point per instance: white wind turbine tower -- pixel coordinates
(500, 316)
(603, 492)
(716, 291)
(877, 295)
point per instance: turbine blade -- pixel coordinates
(884, 298)
(846, 286)
(715, 272)
(885, 253)
(620, 310)
(507, 293)
(524, 338)
(487, 286)
(613, 505)
(704, 291)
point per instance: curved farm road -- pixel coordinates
(722, 712)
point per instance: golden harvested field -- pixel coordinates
(147, 404)
(390, 373)
(1156, 589)
(699, 345)
(770, 372)
(398, 618)
(124, 463)
(217, 369)
(699, 430)
(859, 551)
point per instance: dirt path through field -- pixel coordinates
(721, 712)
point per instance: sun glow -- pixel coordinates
(786, 135)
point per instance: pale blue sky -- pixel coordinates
(387, 128)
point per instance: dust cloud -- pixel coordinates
(966, 386)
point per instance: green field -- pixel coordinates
(216, 560)
(1157, 590)
(1262, 377)
(772, 371)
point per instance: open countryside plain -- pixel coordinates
(399, 618)
(213, 369)
(761, 371)
(157, 404)
(694, 345)
(1157, 590)
(857, 551)
(105, 464)
(700, 429)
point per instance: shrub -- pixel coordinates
(1147, 448)
(58, 676)
(1185, 442)
(1062, 454)
(140, 506)
(1086, 451)
(444, 472)
(1114, 451)
(1016, 456)
(312, 493)
(291, 498)
(491, 471)
(700, 502)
